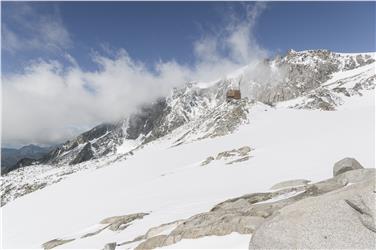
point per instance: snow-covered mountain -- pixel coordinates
(173, 162)
(297, 74)
(10, 156)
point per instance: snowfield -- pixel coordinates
(169, 181)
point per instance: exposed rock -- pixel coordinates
(95, 232)
(153, 242)
(12, 159)
(205, 224)
(366, 215)
(231, 156)
(243, 203)
(344, 165)
(54, 243)
(121, 222)
(342, 90)
(250, 213)
(162, 228)
(25, 162)
(103, 139)
(242, 215)
(246, 158)
(207, 161)
(290, 183)
(206, 113)
(138, 238)
(322, 222)
(153, 234)
(110, 246)
(149, 119)
(114, 223)
(320, 98)
(84, 155)
(354, 176)
(243, 151)
(222, 120)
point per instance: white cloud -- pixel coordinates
(231, 47)
(27, 28)
(49, 103)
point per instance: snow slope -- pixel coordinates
(169, 182)
(166, 177)
(269, 81)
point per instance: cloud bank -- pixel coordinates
(49, 103)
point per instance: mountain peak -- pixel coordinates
(198, 106)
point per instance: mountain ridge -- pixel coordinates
(11, 156)
(294, 75)
(211, 173)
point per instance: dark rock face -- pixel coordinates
(110, 246)
(147, 119)
(94, 143)
(84, 155)
(25, 162)
(12, 159)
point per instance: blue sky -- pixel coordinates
(69, 66)
(152, 31)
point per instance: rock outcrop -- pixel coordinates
(56, 242)
(117, 223)
(298, 214)
(84, 155)
(114, 223)
(328, 221)
(230, 156)
(110, 246)
(344, 165)
(290, 183)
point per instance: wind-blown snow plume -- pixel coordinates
(49, 102)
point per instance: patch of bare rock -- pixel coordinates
(115, 223)
(291, 183)
(230, 156)
(335, 213)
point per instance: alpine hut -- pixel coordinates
(234, 93)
